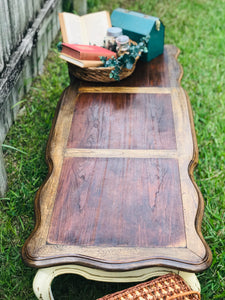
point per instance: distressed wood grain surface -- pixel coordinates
(120, 193)
(123, 121)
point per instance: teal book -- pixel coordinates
(137, 25)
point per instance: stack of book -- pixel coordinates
(84, 55)
(83, 38)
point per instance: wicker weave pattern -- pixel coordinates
(98, 74)
(167, 287)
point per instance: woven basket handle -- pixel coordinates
(190, 293)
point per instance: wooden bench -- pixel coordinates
(120, 202)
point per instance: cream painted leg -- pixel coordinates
(42, 283)
(44, 277)
(191, 279)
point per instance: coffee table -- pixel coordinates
(120, 202)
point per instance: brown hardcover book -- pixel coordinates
(86, 52)
(86, 29)
(81, 63)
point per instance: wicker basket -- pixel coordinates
(98, 74)
(167, 287)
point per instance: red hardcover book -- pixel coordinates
(86, 52)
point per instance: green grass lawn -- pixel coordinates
(197, 28)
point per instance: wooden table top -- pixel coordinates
(120, 193)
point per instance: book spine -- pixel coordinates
(85, 55)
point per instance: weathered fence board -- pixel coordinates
(1, 51)
(6, 35)
(29, 10)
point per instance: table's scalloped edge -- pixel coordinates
(92, 262)
(194, 162)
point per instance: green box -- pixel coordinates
(137, 25)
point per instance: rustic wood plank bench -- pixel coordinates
(120, 202)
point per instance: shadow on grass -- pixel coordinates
(70, 287)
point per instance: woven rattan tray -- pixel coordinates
(98, 74)
(167, 287)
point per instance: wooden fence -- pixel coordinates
(27, 28)
(16, 17)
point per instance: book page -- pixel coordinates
(72, 28)
(96, 25)
(81, 63)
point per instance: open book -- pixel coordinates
(86, 29)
